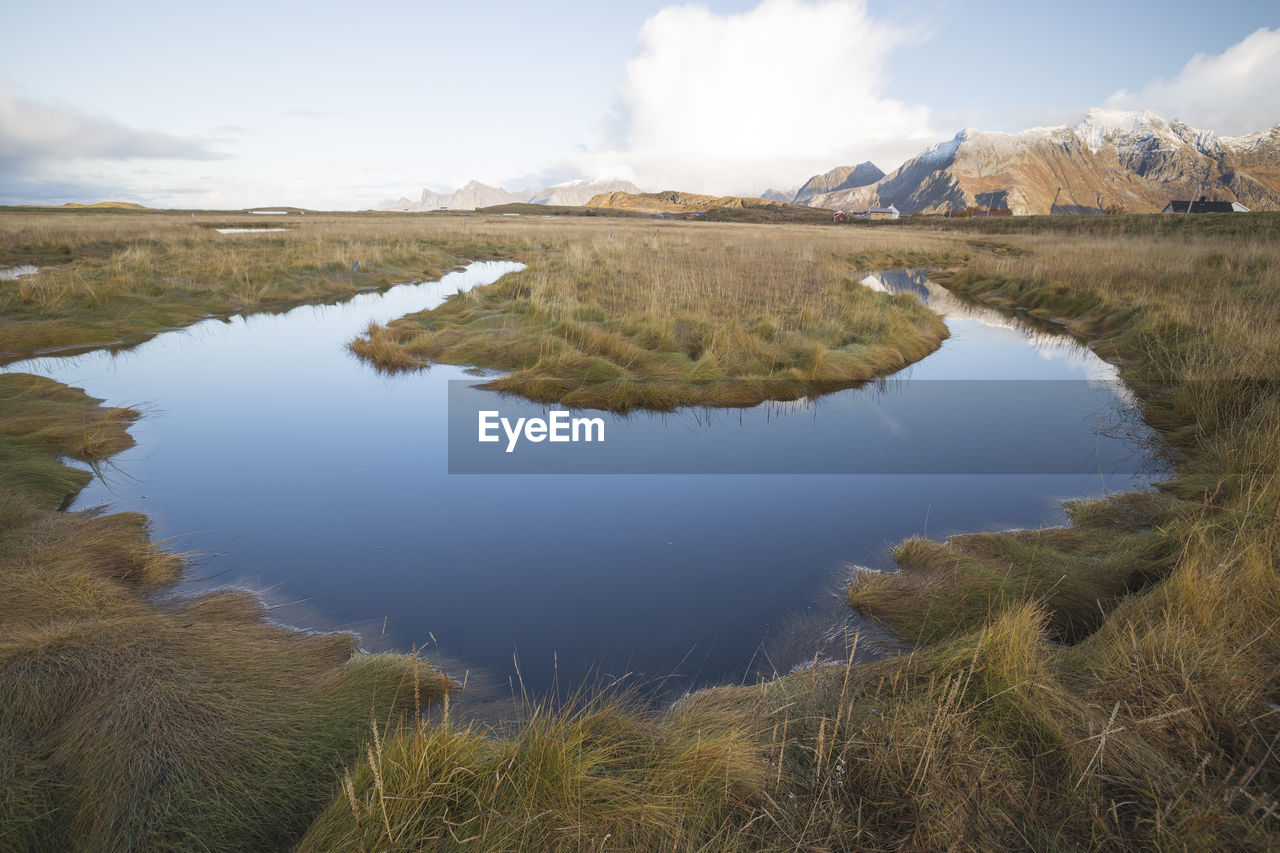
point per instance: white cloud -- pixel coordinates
(1235, 92)
(32, 132)
(736, 103)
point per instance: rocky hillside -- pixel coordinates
(1133, 161)
(838, 179)
(673, 201)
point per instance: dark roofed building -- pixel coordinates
(1205, 206)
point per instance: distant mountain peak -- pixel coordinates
(839, 178)
(475, 194)
(786, 196)
(1112, 159)
(579, 191)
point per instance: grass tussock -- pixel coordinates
(998, 739)
(1077, 574)
(597, 774)
(624, 315)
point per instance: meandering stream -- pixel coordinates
(298, 471)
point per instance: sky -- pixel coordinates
(341, 105)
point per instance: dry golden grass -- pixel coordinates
(600, 775)
(1077, 574)
(123, 276)
(614, 313)
(1112, 685)
(628, 314)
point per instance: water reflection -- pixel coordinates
(13, 273)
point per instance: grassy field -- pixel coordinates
(1108, 685)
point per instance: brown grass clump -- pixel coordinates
(598, 775)
(1077, 574)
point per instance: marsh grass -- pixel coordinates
(1112, 548)
(108, 278)
(626, 315)
(1183, 644)
(41, 421)
(1111, 685)
(614, 313)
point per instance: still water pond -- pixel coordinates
(300, 472)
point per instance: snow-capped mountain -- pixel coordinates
(1135, 161)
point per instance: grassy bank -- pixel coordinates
(626, 315)
(129, 722)
(110, 278)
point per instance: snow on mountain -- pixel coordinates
(1113, 159)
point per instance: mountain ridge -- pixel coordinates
(474, 195)
(1112, 160)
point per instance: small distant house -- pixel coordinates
(838, 215)
(889, 212)
(1203, 205)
